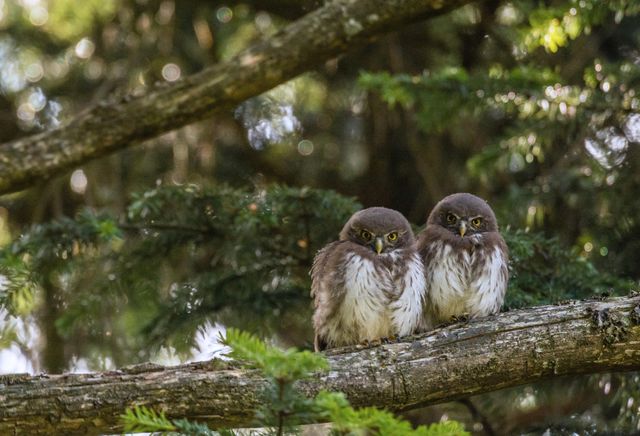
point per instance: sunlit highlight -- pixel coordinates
(78, 182)
(38, 16)
(85, 48)
(224, 14)
(171, 72)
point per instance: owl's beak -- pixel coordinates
(379, 245)
(462, 228)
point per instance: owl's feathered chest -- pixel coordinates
(369, 290)
(465, 280)
(382, 297)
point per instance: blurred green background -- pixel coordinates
(146, 254)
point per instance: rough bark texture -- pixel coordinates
(449, 363)
(113, 125)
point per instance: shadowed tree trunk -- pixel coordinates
(450, 363)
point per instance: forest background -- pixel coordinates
(147, 253)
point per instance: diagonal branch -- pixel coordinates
(110, 126)
(511, 349)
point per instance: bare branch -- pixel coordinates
(511, 349)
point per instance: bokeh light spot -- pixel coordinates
(78, 182)
(25, 112)
(171, 72)
(37, 100)
(305, 147)
(34, 72)
(85, 48)
(38, 16)
(263, 21)
(224, 14)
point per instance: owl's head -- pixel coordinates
(378, 228)
(464, 215)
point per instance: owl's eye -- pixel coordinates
(365, 235)
(476, 222)
(392, 237)
(451, 218)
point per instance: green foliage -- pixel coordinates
(238, 242)
(284, 406)
(142, 419)
(69, 20)
(439, 96)
(549, 144)
(369, 420)
(48, 250)
(280, 365)
(180, 257)
(545, 272)
(554, 27)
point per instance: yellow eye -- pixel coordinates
(365, 235)
(476, 222)
(393, 236)
(451, 218)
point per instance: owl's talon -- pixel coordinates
(462, 318)
(372, 342)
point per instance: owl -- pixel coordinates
(369, 284)
(465, 260)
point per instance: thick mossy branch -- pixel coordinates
(112, 125)
(511, 349)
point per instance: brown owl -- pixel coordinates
(465, 260)
(370, 283)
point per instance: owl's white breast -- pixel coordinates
(365, 303)
(490, 285)
(455, 287)
(407, 309)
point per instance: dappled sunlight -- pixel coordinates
(21, 339)
(268, 122)
(208, 343)
(608, 147)
(632, 128)
(270, 119)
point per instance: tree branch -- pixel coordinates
(511, 349)
(313, 39)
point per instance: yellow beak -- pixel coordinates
(462, 228)
(379, 245)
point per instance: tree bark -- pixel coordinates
(449, 363)
(112, 125)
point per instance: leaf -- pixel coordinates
(142, 419)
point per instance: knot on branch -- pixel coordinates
(611, 325)
(634, 316)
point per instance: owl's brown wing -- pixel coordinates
(490, 277)
(319, 264)
(327, 287)
(427, 248)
